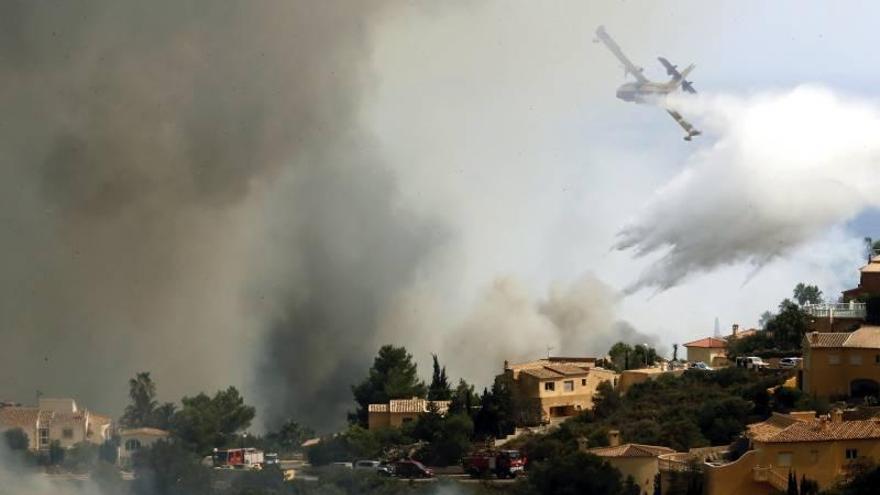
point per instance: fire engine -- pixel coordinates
(503, 463)
(244, 458)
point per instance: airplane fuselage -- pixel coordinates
(642, 92)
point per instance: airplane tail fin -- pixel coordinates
(676, 81)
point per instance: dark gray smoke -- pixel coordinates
(176, 176)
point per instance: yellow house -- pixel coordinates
(401, 411)
(60, 420)
(559, 386)
(632, 459)
(842, 364)
(820, 449)
(710, 350)
(134, 439)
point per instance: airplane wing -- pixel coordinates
(628, 66)
(672, 71)
(688, 128)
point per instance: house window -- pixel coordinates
(876, 358)
(855, 359)
(132, 444)
(549, 386)
(583, 382)
(44, 437)
(783, 459)
(67, 433)
(568, 385)
(852, 454)
(834, 359)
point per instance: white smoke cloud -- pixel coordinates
(510, 322)
(17, 478)
(785, 168)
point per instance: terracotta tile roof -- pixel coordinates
(873, 266)
(783, 428)
(773, 425)
(19, 417)
(541, 373)
(417, 405)
(823, 431)
(410, 406)
(708, 342)
(631, 450)
(152, 432)
(568, 370)
(866, 337)
(581, 362)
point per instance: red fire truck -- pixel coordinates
(245, 458)
(503, 463)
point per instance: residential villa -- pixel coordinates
(711, 350)
(134, 439)
(633, 459)
(559, 386)
(869, 281)
(819, 448)
(398, 412)
(58, 420)
(848, 315)
(841, 364)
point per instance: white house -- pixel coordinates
(134, 439)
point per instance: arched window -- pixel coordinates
(132, 444)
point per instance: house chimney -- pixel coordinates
(837, 416)
(614, 438)
(735, 329)
(506, 365)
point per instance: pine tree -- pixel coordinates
(439, 388)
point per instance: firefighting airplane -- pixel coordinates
(646, 91)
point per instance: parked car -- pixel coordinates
(378, 467)
(365, 464)
(411, 469)
(700, 365)
(270, 459)
(790, 362)
(751, 363)
(342, 464)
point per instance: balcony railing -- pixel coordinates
(674, 462)
(836, 310)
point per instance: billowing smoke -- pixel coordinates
(785, 168)
(511, 323)
(176, 177)
(188, 188)
(19, 478)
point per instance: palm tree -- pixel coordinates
(143, 405)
